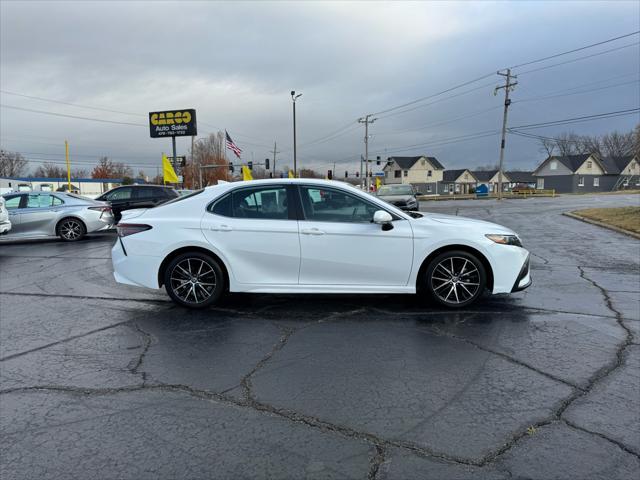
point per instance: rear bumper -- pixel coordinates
(524, 277)
(138, 270)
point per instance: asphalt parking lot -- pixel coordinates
(99, 380)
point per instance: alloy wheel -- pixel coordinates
(71, 230)
(455, 280)
(193, 280)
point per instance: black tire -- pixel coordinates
(71, 229)
(194, 280)
(455, 279)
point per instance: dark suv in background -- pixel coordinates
(129, 197)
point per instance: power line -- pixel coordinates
(485, 85)
(43, 99)
(464, 84)
(545, 97)
(584, 118)
(578, 59)
(576, 50)
(56, 114)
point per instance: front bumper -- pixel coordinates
(524, 277)
(5, 227)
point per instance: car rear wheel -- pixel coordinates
(194, 280)
(455, 279)
(71, 229)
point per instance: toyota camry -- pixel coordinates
(311, 236)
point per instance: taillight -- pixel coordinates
(101, 209)
(126, 229)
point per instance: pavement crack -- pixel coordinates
(376, 462)
(600, 375)
(620, 445)
(544, 260)
(64, 340)
(147, 341)
(245, 382)
(506, 357)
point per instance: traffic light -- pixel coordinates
(378, 160)
(329, 174)
(346, 174)
(266, 163)
(231, 167)
(357, 174)
(250, 165)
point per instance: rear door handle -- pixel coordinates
(220, 228)
(311, 231)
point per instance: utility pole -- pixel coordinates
(366, 120)
(274, 160)
(66, 157)
(508, 86)
(294, 97)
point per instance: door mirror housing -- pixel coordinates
(382, 217)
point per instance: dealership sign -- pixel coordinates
(173, 123)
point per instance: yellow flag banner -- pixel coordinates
(378, 183)
(291, 175)
(168, 172)
(246, 173)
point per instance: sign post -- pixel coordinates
(173, 123)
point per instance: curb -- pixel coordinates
(601, 224)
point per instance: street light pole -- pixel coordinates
(294, 97)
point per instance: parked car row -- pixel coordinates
(40, 214)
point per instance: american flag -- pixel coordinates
(232, 146)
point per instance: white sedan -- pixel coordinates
(311, 236)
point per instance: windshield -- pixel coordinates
(396, 190)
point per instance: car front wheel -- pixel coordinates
(194, 280)
(455, 279)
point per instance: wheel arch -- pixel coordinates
(67, 217)
(465, 248)
(182, 250)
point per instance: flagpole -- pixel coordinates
(224, 148)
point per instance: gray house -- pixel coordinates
(518, 179)
(454, 182)
(586, 173)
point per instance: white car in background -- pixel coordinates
(5, 223)
(311, 236)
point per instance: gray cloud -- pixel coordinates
(236, 63)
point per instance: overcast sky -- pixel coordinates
(236, 63)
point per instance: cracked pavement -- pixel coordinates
(107, 381)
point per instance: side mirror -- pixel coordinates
(418, 193)
(383, 218)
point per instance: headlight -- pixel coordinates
(505, 239)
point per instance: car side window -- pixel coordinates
(260, 203)
(12, 202)
(55, 201)
(222, 206)
(39, 201)
(120, 194)
(148, 192)
(328, 205)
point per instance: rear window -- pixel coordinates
(179, 198)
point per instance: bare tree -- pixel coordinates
(208, 151)
(487, 168)
(121, 170)
(618, 145)
(104, 169)
(547, 146)
(79, 173)
(50, 170)
(12, 164)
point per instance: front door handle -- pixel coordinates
(311, 231)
